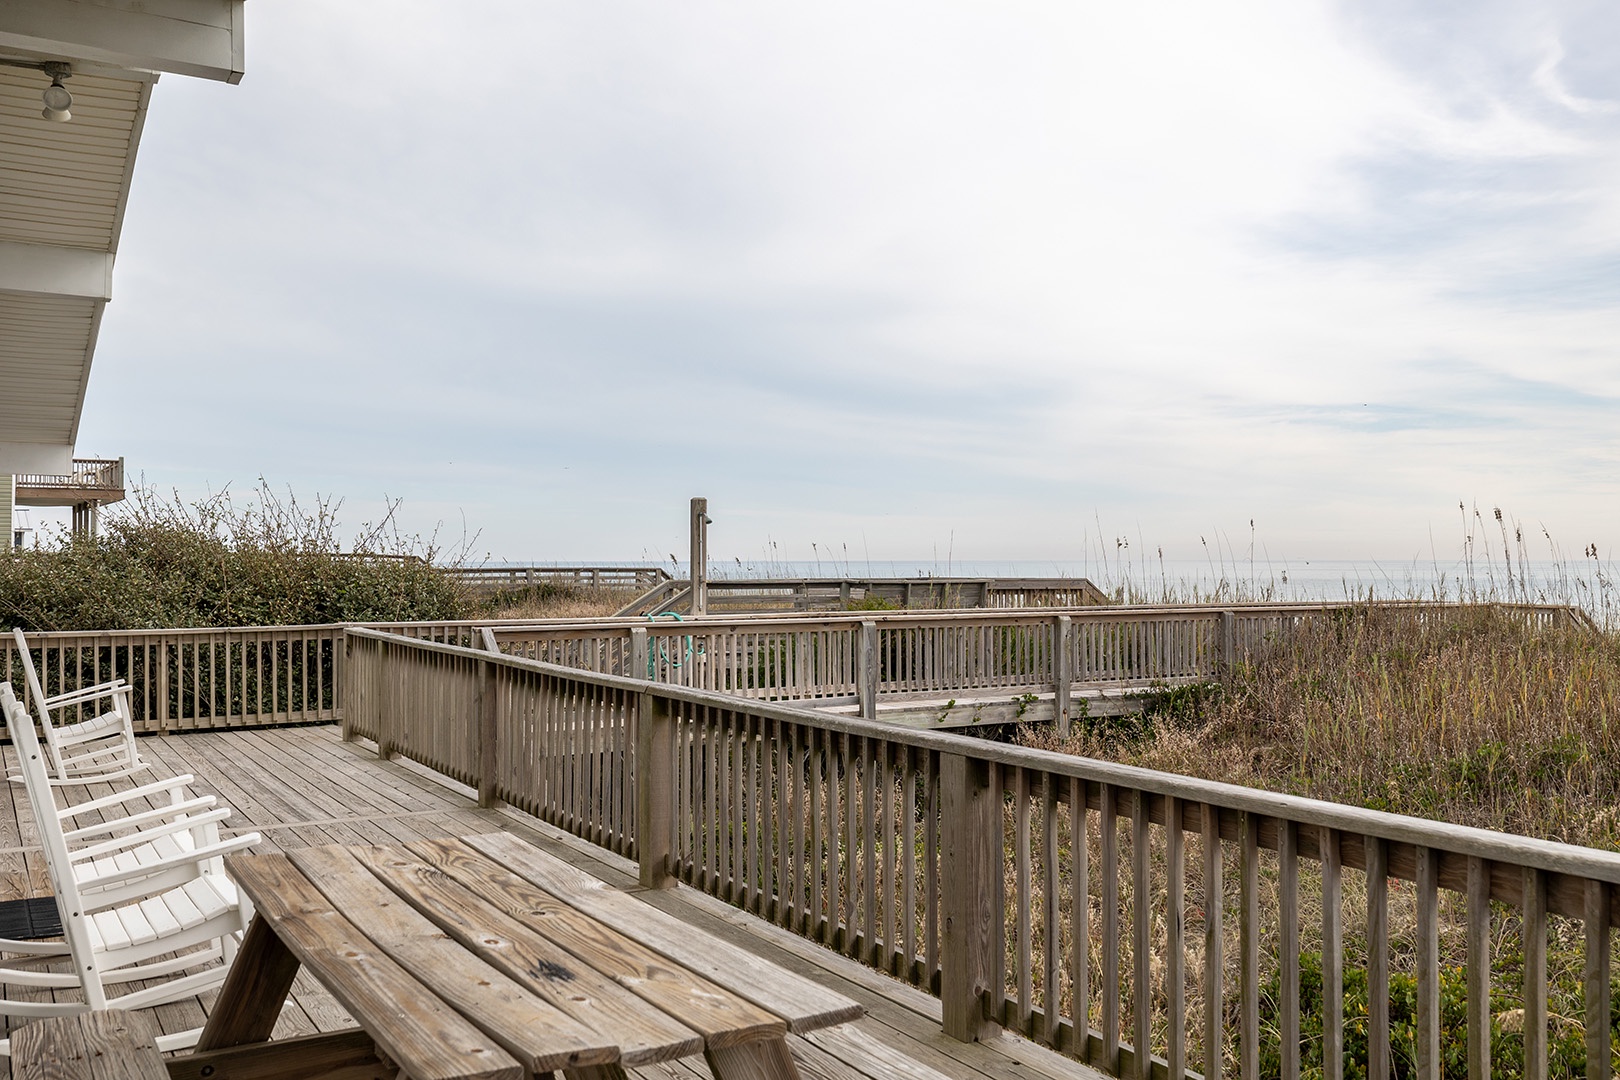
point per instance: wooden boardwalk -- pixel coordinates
(304, 786)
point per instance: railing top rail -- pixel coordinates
(830, 620)
(766, 621)
(1460, 839)
(178, 631)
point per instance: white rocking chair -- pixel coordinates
(129, 903)
(95, 750)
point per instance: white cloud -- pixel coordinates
(1023, 262)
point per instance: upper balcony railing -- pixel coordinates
(90, 475)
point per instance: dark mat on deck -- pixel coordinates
(31, 919)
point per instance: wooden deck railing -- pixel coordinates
(743, 596)
(185, 679)
(1153, 925)
(863, 657)
(595, 577)
(190, 679)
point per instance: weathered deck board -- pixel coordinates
(305, 786)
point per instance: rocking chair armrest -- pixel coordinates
(179, 858)
(146, 836)
(120, 797)
(192, 806)
(87, 693)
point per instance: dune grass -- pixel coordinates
(1472, 715)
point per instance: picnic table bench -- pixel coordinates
(485, 958)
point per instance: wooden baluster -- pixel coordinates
(1249, 947)
(1175, 946)
(1023, 959)
(852, 876)
(1051, 976)
(1377, 959)
(1214, 944)
(908, 852)
(1332, 957)
(1110, 931)
(796, 800)
(931, 869)
(1080, 919)
(869, 872)
(1288, 932)
(834, 802)
(1062, 673)
(781, 773)
(751, 799)
(817, 766)
(888, 829)
(1428, 963)
(1535, 974)
(1142, 927)
(1479, 969)
(1595, 975)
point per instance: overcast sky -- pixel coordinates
(1001, 276)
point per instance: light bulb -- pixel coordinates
(57, 102)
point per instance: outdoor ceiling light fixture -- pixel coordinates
(58, 102)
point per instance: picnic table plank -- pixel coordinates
(721, 1017)
(538, 1034)
(427, 1038)
(805, 1005)
(643, 1035)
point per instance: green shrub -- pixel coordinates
(1566, 1047)
(163, 563)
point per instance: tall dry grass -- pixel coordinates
(557, 601)
(1471, 715)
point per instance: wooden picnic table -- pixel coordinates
(485, 957)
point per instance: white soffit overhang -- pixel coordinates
(63, 188)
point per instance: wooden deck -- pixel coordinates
(303, 786)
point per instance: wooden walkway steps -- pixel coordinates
(303, 786)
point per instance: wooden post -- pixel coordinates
(1062, 671)
(700, 556)
(866, 670)
(971, 876)
(639, 666)
(1228, 634)
(655, 792)
(487, 739)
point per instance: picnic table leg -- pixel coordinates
(762, 1059)
(255, 989)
